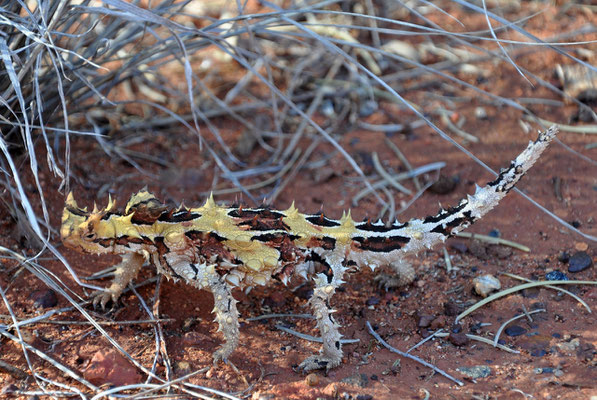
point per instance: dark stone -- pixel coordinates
(44, 298)
(538, 352)
(530, 293)
(456, 328)
(545, 370)
(304, 292)
(425, 320)
(499, 251)
(444, 185)
(451, 309)
(372, 301)
(459, 246)
(439, 322)
(458, 339)
(586, 351)
(364, 397)
(478, 249)
(515, 330)
(579, 261)
(564, 257)
(476, 328)
(275, 300)
(556, 276)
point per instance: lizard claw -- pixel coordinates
(102, 297)
(222, 354)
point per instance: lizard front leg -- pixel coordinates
(126, 271)
(330, 354)
(205, 276)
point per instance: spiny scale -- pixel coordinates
(218, 247)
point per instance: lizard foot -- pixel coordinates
(103, 297)
(319, 361)
(404, 274)
(388, 282)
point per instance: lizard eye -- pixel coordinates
(90, 236)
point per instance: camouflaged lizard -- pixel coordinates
(219, 248)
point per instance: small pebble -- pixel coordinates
(486, 284)
(327, 108)
(367, 108)
(544, 370)
(515, 330)
(579, 262)
(581, 246)
(576, 224)
(556, 276)
(494, 233)
(183, 367)
(312, 380)
(480, 113)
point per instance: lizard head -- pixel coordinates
(88, 231)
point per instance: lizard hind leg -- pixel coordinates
(226, 315)
(330, 354)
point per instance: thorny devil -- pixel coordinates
(219, 248)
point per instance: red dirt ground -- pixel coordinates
(551, 363)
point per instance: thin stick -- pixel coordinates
(403, 159)
(12, 370)
(493, 240)
(447, 260)
(505, 324)
(438, 333)
(410, 356)
(516, 289)
(267, 316)
(581, 301)
(391, 181)
(465, 135)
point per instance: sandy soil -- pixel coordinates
(556, 356)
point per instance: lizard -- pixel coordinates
(219, 248)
